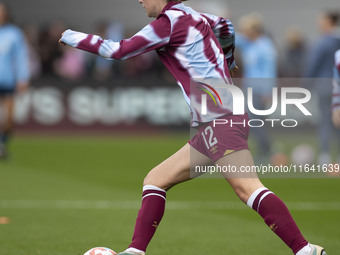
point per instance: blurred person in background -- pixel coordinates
(71, 66)
(14, 73)
(49, 50)
(104, 69)
(32, 36)
(336, 92)
(259, 61)
(138, 66)
(320, 65)
(295, 53)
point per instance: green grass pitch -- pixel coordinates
(65, 195)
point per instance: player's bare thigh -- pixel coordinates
(176, 168)
(8, 108)
(243, 184)
(2, 112)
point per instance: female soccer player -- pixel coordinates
(336, 91)
(14, 74)
(196, 48)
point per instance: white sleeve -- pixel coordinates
(151, 37)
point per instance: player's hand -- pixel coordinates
(61, 42)
(22, 87)
(233, 71)
(336, 118)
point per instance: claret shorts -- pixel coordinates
(222, 136)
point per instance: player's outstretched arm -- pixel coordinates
(153, 36)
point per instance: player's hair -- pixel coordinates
(252, 22)
(333, 17)
(7, 12)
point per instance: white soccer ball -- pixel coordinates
(100, 251)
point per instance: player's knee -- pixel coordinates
(242, 192)
(152, 179)
(9, 122)
(147, 180)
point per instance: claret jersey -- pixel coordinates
(193, 46)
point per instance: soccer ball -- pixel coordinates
(100, 251)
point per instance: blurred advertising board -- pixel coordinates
(53, 104)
